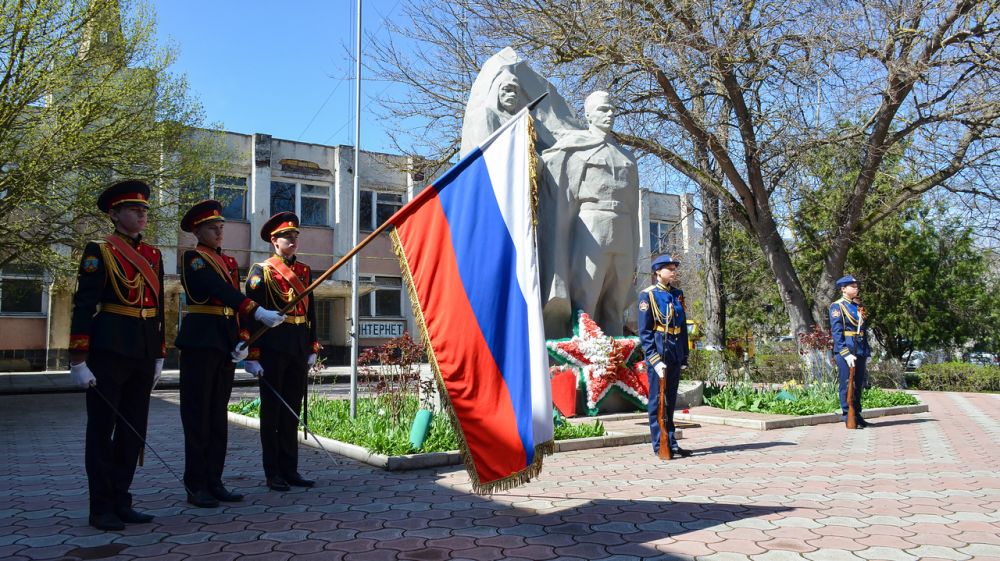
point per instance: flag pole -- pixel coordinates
(355, 324)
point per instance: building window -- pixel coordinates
(324, 320)
(385, 301)
(22, 291)
(229, 190)
(309, 201)
(376, 208)
(662, 237)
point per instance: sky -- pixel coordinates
(279, 68)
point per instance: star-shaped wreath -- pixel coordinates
(603, 363)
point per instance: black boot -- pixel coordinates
(108, 521)
(202, 499)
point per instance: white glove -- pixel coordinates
(311, 361)
(240, 352)
(661, 369)
(253, 368)
(269, 318)
(81, 375)
(850, 360)
(158, 371)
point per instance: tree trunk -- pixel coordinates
(792, 295)
(715, 303)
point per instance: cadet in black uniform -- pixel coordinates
(116, 350)
(283, 355)
(208, 335)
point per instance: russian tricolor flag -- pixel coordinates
(467, 248)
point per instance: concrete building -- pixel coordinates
(269, 175)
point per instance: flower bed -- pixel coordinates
(796, 399)
(381, 431)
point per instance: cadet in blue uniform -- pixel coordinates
(284, 354)
(850, 344)
(663, 334)
(208, 335)
(116, 350)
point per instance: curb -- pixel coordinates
(786, 421)
(439, 459)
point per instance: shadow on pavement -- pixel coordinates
(877, 424)
(354, 508)
(739, 447)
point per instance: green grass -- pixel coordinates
(380, 432)
(797, 400)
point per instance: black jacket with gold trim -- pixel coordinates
(114, 308)
(266, 287)
(214, 302)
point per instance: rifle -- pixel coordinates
(665, 452)
(852, 420)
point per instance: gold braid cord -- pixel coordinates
(541, 450)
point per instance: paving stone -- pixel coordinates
(777, 556)
(724, 556)
(981, 550)
(885, 553)
(927, 551)
(830, 555)
(615, 504)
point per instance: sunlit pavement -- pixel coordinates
(923, 486)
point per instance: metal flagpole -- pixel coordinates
(355, 324)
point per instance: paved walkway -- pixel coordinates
(57, 381)
(923, 486)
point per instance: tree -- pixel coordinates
(926, 284)
(758, 87)
(85, 98)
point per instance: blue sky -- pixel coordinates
(279, 68)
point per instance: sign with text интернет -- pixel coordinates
(371, 329)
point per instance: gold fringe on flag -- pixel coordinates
(532, 470)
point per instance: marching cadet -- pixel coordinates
(208, 335)
(116, 350)
(664, 339)
(850, 344)
(283, 355)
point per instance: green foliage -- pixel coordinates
(879, 397)
(886, 373)
(702, 365)
(753, 304)
(955, 376)
(926, 284)
(87, 99)
(776, 368)
(567, 430)
(375, 429)
(811, 399)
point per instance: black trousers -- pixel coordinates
(206, 384)
(286, 374)
(112, 445)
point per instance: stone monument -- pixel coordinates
(588, 211)
(590, 200)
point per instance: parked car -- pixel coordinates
(983, 359)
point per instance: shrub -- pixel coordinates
(776, 368)
(955, 376)
(702, 366)
(392, 373)
(887, 373)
